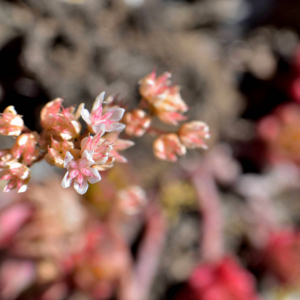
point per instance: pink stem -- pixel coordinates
(148, 257)
(209, 204)
(150, 251)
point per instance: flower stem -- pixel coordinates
(212, 245)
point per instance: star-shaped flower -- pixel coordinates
(98, 117)
(80, 172)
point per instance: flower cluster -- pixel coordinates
(63, 144)
(15, 162)
(162, 99)
(95, 152)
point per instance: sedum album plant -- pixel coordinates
(84, 154)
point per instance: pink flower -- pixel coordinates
(64, 121)
(118, 145)
(109, 119)
(57, 152)
(137, 122)
(166, 147)
(193, 134)
(67, 125)
(99, 146)
(80, 172)
(10, 122)
(171, 100)
(17, 176)
(152, 87)
(49, 111)
(164, 98)
(25, 147)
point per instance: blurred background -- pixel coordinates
(238, 65)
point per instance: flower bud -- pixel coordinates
(17, 176)
(11, 124)
(164, 98)
(151, 87)
(166, 147)
(137, 122)
(66, 125)
(64, 121)
(57, 152)
(193, 134)
(49, 111)
(25, 148)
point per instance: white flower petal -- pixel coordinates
(98, 101)
(67, 159)
(66, 182)
(96, 177)
(86, 116)
(10, 109)
(102, 160)
(81, 189)
(78, 111)
(117, 114)
(99, 128)
(15, 133)
(76, 126)
(17, 121)
(88, 154)
(23, 188)
(66, 136)
(115, 127)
